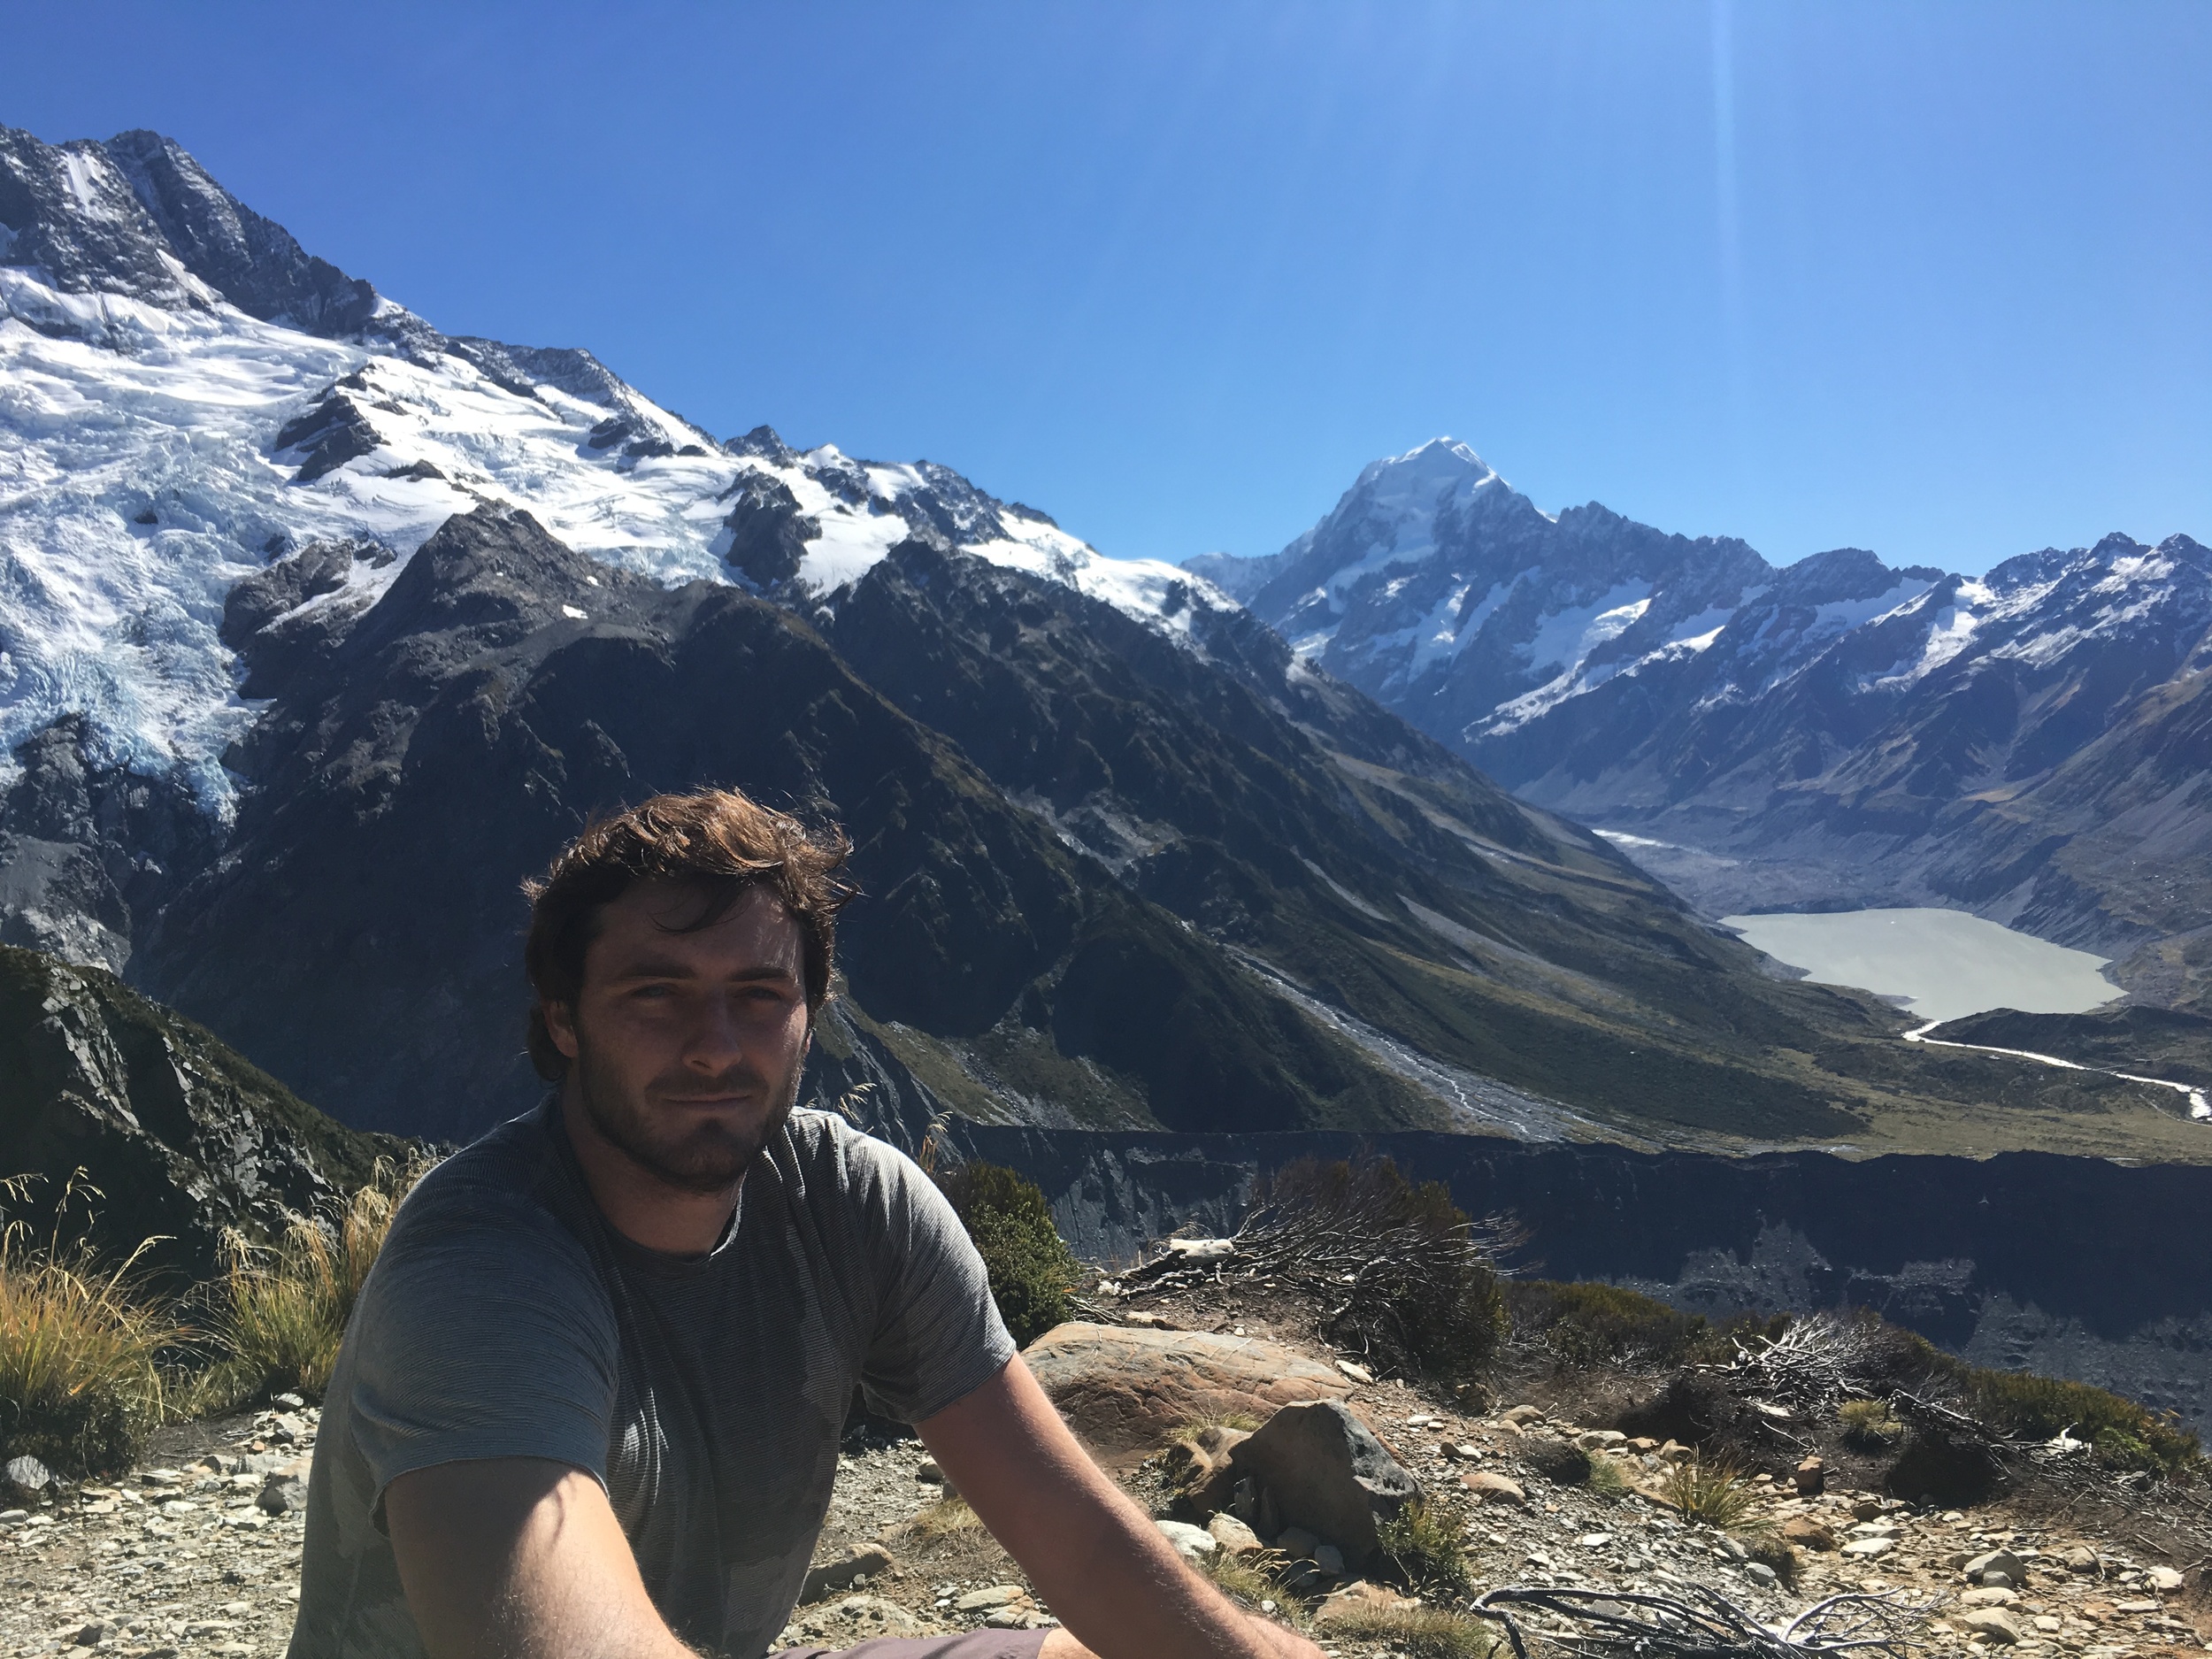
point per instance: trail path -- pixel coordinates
(2199, 1106)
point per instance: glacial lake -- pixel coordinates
(1948, 963)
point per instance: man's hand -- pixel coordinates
(1108, 1574)
(521, 1558)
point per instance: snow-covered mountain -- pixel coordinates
(185, 396)
(1833, 731)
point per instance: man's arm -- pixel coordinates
(1110, 1575)
(518, 1557)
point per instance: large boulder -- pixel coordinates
(1326, 1471)
(1123, 1391)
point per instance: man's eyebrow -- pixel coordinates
(677, 968)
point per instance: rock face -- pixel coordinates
(182, 1137)
(1326, 1471)
(1126, 1391)
(2068, 1267)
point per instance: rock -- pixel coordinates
(1811, 1477)
(1192, 1543)
(850, 1622)
(90, 1636)
(1997, 1561)
(1198, 1468)
(1560, 1461)
(281, 1493)
(2078, 1558)
(1233, 1535)
(1761, 1573)
(1358, 1597)
(995, 1596)
(1327, 1471)
(1150, 1322)
(1987, 1597)
(1994, 1622)
(1996, 1581)
(1203, 1249)
(1356, 1371)
(867, 1560)
(27, 1476)
(1329, 1559)
(1489, 1488)
(1805, 1531)
(1865, 1508)
(1124, 1390)
(1520, 1415)
(1297, 1543)
(1594, 1440)
(2163, 1579)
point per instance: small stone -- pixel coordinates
(1329, 1559)
(1150, 1322)
(1997, 1581)
(1593, 1439)
(1998, 1561)
(1807, 1533)
(1520, 1415)
(1192, 1543)
(996, 1595)
(1761, 1573)
(28, 1475)
(1995, 1624)
(1492, 1488)
(1233, 1535)
(869, 1560)
(1811, 1477)
(2078, 1558)
(1297, 1543)
(1354, 1371)
(1866, 1508)
(92, 1634)
(2139, 1606)
(2164, 1578)
(1358, 1597)
(279, 1495)
(1990, 1595)
(1594, 1540)
(2048, 1624)
(290, 1402)
(1867, 1549)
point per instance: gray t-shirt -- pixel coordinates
(506, 1318)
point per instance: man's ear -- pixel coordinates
(560, 1025)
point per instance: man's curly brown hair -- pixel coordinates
(722, 843)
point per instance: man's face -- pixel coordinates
(685, 1047)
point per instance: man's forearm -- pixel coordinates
(518, 1558)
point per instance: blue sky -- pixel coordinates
(1934, 280)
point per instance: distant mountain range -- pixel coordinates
(2034, 744)
(320, 629)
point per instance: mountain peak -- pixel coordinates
(1441, 459)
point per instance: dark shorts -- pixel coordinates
(977, 1644)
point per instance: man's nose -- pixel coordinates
(717, 1036)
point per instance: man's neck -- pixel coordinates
(637, 1204)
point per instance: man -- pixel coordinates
(589, 1403)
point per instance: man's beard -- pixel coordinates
(709, 1156)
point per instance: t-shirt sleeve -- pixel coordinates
(483, 1332)
(938, 1332)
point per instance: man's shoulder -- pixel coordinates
(511, 1180)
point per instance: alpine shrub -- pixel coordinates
(1032, 1272)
